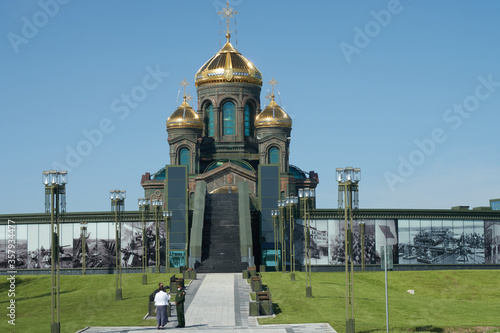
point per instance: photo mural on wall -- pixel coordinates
(441, 242)
(492, 242)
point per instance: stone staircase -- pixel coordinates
(221, 239)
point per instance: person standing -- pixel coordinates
(161, 302)
(180, 298)
(153, 294)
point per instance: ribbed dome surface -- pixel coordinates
(184, 117)
(228, 65)
(273, 116)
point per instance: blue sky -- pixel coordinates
(409, 91)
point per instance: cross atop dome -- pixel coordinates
(184, 84)
(227, 13)
(273, 82)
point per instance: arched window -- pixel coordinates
(184, 157)
(248, 116)
(229, 119)
(209, 114)
(274, 155)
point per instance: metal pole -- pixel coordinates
(58, 301)
(362, 231)
(351, 276)
(292, 256)
(283, 244)
(346, 254)
(386, 298)
(275, 227)
(144, 253)
(167, 262)
(157, 240)
(307, 245)
(120, 249)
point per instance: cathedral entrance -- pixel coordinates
(225, 189)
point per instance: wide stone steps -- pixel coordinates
(221, 240)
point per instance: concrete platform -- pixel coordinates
(217, 302)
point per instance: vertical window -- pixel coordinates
(274, 155)
(229, 118)
(184, 157)
(209, 114)
(248, 124)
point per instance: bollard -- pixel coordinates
(254, 309)
(151, 310)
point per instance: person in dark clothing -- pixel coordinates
(180, 298)
(153, 294)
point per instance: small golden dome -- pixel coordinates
(273, 116)
(184, 117)
(228, 65)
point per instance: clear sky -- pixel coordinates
(409, 91)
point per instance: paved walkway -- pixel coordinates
(218, 302)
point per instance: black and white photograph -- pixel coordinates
(492, 242)
(441, 242)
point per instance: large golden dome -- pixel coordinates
(273, 116)
(228, 65)
(184, 117)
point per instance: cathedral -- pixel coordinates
(222, 141)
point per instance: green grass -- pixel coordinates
(444, 301)
(87, 300)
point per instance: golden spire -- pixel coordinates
(273, 82)
(269, 97)
(184, 84)
(227, 12)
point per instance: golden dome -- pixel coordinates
(228, 65)
(184, 117)
(273, 116)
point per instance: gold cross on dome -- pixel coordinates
(269, 97)
(227, 12)
(184, 84)
(188, 97)
(273, 82)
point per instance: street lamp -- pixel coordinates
(291, 203)
(118, 206)
(348, 180)
(305, 195)
(275, 213)
(83, 236)
(167, 215)
(144, 207)
(157, 204)
(362, 233)
(281, 214)
(55, 205)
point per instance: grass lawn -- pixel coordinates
(444, 301)
(87, 300)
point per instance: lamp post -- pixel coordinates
(305, 195)
(83, 236)
(348, 179)
(118, 206)
(55, 205)
(167, 215)
(157, 204)
(144, 207)
(281, 214)
(275, 213)
(291, 203)
(362, 233)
